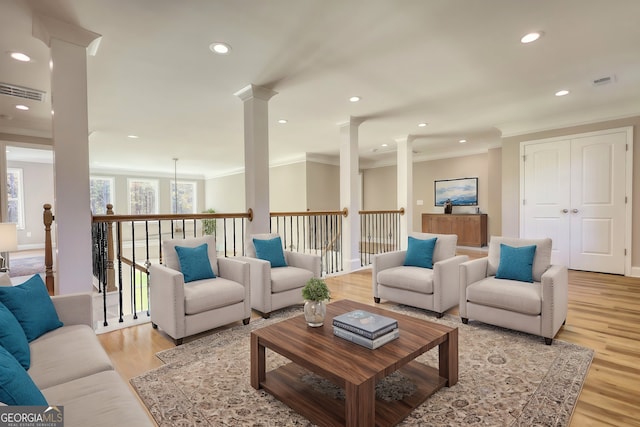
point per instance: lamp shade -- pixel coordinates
(8, 237)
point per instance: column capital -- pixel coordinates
(254, 91)
(353, 121)
(407, 139)
(46, 28)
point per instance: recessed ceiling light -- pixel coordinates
(562, 92)
(531, 37)
(22, 107)
(385, 145)
(220, 48)
(282, 121)
(354, 99)
(133, 136)
(462, 141)
(19, 56)
(421, 125)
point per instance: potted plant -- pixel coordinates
(209, 225)
(316, 294)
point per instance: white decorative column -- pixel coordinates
(69, 47)
(256, 155)
(350, 193)
(405, 186)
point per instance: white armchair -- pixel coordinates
(435, 289)
(182, 309)
(279, 287)
(538, 307)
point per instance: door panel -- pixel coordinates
(597, 203)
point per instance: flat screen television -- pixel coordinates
(461, 191)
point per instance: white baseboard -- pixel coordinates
(635, 271)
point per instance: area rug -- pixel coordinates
(506, 378)
(19, 267)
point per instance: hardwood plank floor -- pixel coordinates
(604, 314)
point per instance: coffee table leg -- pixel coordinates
(360, 404)
(258, 363)
(448, 364)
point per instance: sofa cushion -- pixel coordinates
(541, 260)
(98, 400)
(416, 279)
(287, 278)
(12, 337)
(65, 354)
(170, 256)
(194, 263)
(31, 305)
(420, 252)
(16, 388)
(516, 263)
(270, 250)
(205, 295)
(511, 295)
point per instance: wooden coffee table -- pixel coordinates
(354, 368)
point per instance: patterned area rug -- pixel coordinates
(506, 378)
(26, 266)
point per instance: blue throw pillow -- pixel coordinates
(12, 337)
(31, 304)
(420, 252)
(270, 250)
(194, 263)
(16, 386)
(516, 263)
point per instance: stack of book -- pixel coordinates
(366, 329)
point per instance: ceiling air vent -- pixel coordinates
(604, 80)
(22, 92)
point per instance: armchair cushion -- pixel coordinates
(270, 250)
(194, 263)
(516, 263)
(541, 260)
(198, 296)
(170, 255)
(416, 279)
(420, 252)
(31, 304)
(284, 279)
(509, 295)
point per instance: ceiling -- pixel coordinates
(457, 65)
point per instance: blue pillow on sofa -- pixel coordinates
(12, 337)
(420, 252)
(194, 263)
(16, 386)
(270, 250)
(31, 304)
(516, 263)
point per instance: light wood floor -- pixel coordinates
(604, 314)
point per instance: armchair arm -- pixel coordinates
(446, 282)
(239, 271)
(309, 262)
(74, 309)
(382, 262)
(470, 272)
(555, 299)
(260, 278)
(166, 299)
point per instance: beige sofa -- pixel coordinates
(72, 369)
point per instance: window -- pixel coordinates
(186, 196)
(143, 196)
(101, 191)
(15, 197)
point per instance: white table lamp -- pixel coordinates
(8, 241)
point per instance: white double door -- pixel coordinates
(574, 190)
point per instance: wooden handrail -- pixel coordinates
(158, 217)
(343, 212)
(398, 211)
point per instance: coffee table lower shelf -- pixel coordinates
(321, 409)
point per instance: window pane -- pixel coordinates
(101, 194)
(15, 200)
(186, 195)
(143, 197)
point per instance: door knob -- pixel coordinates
(565, 210)
(574, 210)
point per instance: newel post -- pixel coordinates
(111, 274)
(47, 218)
